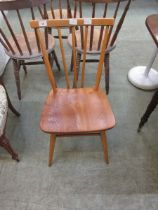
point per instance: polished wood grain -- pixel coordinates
(152, 25)
(76, 111)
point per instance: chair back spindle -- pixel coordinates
(60, 11)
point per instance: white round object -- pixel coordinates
(139, 79)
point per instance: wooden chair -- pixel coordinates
(79, 110)
(109, 8)
(5, 103)
(21, 44)
(59, 10)
(151, 106)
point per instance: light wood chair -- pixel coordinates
(79, 110)
(99, 8)
(21, 43)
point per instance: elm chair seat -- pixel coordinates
(3, 109)
(77, 110)
(33, 44)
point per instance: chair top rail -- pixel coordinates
(20, 4)
(69, 22)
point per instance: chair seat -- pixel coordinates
(3, 109)
(76, 111)
(94, 45)
(33, 45)
(64, 14)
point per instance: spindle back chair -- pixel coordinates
(100, 8)
(21, 44)
(79, 110)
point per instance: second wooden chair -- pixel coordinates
(99, 8)
(20, 44)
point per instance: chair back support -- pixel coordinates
(60, 7)
(15, 6)
(105, 23)
(109, 8)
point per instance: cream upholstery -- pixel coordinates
(3, 109)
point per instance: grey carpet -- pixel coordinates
(79, 178)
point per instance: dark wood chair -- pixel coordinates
(79, 110)
(61, 10)
(152, 105)
(152, 26)
(108, 8)
(21, 44)
(4, 104)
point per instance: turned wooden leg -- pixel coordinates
(105, 146)
(17, 77)
(106, 67)
(152, 105)
(56, 60)
(4, 142)
(51, 148)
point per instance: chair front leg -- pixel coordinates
(4, 142)
(51, 148)
(17, 77)
(105, 146)
(107, 68)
